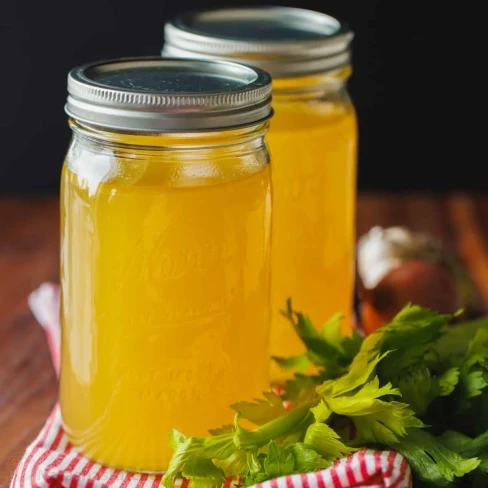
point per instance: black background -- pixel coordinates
(418, 83)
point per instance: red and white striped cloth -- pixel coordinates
(52, 462)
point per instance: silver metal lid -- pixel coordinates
(284, 41)
(160, 95)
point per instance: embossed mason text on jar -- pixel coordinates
(313, 146)
(165, 253)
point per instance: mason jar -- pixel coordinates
(312, 140)
(166, 208)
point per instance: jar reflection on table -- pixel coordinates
(313, 144)
(165, 286)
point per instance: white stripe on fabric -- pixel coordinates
(327, 477)
(312, 480)
(281, 482)
(148, 482)
(370, 462)
(397, 468)
(394, 469)
(342, 475)
(296, 479)
(82, 481)
(356, 467)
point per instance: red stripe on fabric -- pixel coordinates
(363, 465)
(112, 478)
(401, 477)
(55, 484)
(76, 476)
(86, 469)
(335, 478)
(156, 482)
(375, 480)
(100, 473)
(45, 455)
(274, 483)
(75, 480)
(143, 479)
(34, 448)
(289, 482)
(403, 468)
(60, 476)
(390, 465)
(320, 480)
(304, 479)
(96, 477)
(70, 467)
(351, 478)
(377, 462)
(127, 480)
(185, 483)
(228, 483)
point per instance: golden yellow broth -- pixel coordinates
(313, 150)
(165, 296)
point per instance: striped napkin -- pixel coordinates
(52, 462)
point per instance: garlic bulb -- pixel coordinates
(396, 266)
(382, 250)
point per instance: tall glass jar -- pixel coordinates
(313, 139)
(166, 212)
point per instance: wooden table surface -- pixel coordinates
(29, 256)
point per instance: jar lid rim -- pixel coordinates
(285, 41)
(155, 94)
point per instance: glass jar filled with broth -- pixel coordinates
(313, 139)
(166, 215)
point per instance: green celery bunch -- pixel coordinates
(404, 387)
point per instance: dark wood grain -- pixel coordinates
(29, 251)
(29, 243)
